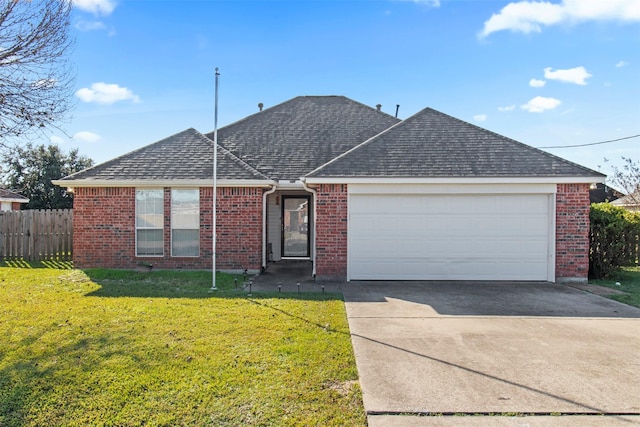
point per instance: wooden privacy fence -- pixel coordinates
(36, 235)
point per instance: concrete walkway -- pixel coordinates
(425, 349)
(291, 276)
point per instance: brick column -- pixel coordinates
(331, 230)
(572, 233)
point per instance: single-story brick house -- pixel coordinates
(11, 201)
(360, 193)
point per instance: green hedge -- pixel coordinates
(613, 240)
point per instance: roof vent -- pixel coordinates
(397, 108)
(260, 105)
(378, 107)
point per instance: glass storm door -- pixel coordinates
(295, 226)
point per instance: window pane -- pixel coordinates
(296, 227)
(185, 209)
(149, 242)
(185, 243)
(185, 222)
(149, 222)
(149, 208)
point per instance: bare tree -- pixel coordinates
(36, 80)
(627, 178)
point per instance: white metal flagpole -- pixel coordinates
(215, 188)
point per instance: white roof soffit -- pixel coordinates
(10, 200)
(462, 180)
(288, 185)
(188, 183)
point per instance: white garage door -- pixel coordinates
(449, 237)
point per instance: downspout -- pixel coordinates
(313, 233)
(264, 225)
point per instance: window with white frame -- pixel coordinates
(185, 223)
(149, 222)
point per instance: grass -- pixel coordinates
(629, 279)
(105, 347)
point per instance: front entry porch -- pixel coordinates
(289, 226)
(292, 276)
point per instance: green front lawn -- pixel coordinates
(120, 348)
(629, 279)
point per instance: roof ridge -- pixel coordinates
(367, 106)
(293, 99)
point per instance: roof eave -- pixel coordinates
(173, 183)
(456, 180)
(14, 200)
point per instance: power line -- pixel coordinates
(592, 143)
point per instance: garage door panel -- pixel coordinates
(450, 269)
(449, 237)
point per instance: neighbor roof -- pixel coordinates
(187, 155)
(291, 139)
(629, 201)
(8, 195)
(433, 144)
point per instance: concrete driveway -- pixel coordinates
(561, 355)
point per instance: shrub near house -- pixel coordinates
(615, 236)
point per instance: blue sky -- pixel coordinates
(544, 73)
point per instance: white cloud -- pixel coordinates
(507, 108)
(85, 136)
(621, 64)
(480, 117)
(97, 7)
(540, 104)
(104, 93)
(577, 75)
(90, 25)
(530, 16)
(537, 83)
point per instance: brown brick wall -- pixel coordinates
(331, 230)
(104, 227)
(572, 232)
(239, 243)
(104, 230)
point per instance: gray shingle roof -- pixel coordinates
(184, 156)
(291, 139)
(433, 144)
(8, 194)
(322, 136)
(631, 200)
